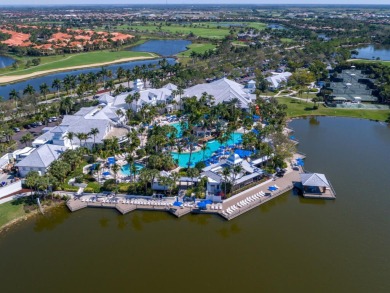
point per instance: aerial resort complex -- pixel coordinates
(194, 145)
(211, 148)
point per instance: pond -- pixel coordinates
(48, 79)
(289, 244)
(164, 48)
(6, 61)
(373, 52)
(276, 26)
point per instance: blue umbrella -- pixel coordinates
(106, 173)
(177, 204)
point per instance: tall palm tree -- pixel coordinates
(94, 132)
(115, 168)
(70, 135)
(14, 95)
(29, 90)
(226, 174)
(44, 90)
(57, 86)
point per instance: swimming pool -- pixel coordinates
(125, 170)
(196, 157)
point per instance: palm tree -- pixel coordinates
(115, 168)
(14, 95)
(94, 132)
(29, 90)
(57, 85)
(44, 90)
(70, 135)
(236, 170)
(204, 149)
(226, 174)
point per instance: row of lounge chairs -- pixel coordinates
(250, 199)
(216, 206)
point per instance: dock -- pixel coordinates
(227, 209)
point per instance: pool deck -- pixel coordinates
(228, 209)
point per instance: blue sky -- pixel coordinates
(85, 2)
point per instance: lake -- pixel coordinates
(276, 26)
(289, 244)
(36, 82)
(6, 61)
(163, 47)
(373, 52)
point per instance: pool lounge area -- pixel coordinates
(213, 146)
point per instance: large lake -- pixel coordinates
(6, 61)
(374, 52)
(289, 244)
(163, 47)
(36, 82)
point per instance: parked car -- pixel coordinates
(16, 129)
(53, 119)
(27, 126)
(39, 123)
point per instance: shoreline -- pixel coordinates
(7, 79)
(27, 216)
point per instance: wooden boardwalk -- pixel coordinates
(231, 208)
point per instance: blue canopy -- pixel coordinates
(272, 188)
(106, 173)
(177, 204)
(255, 131)
(243, 153)
(204, 203)
(111, 160)
(256, 117)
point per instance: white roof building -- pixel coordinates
(277, 78)
(40, 159)
(223, 91)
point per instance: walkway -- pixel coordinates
(229, 209)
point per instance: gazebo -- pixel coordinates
(316, 185)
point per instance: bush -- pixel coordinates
(93, 187)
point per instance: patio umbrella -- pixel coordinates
(106, 173)
(177, 204)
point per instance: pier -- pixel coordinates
(228, 209)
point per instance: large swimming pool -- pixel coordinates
(125, 170)
(212, 145)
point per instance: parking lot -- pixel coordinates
(34, 131)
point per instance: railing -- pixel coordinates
(257, 202)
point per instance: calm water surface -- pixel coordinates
(48, 79)
(163, 47)
(373, 52)
(6, 61)
(287, 245)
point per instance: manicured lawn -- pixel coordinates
(9, 212)
(296, 108)
(387, 63)
(59, 61)
(204, 32)
(198, 48)
(286, 40)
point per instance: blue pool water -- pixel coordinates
(212, 145)
(126, 169)
(178, 127)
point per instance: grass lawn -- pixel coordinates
(60, 62)
(296, 108)
(286, 40)
(240, 44)
(198, 48)
(10, 211)
(204, 32)
(386, 63)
